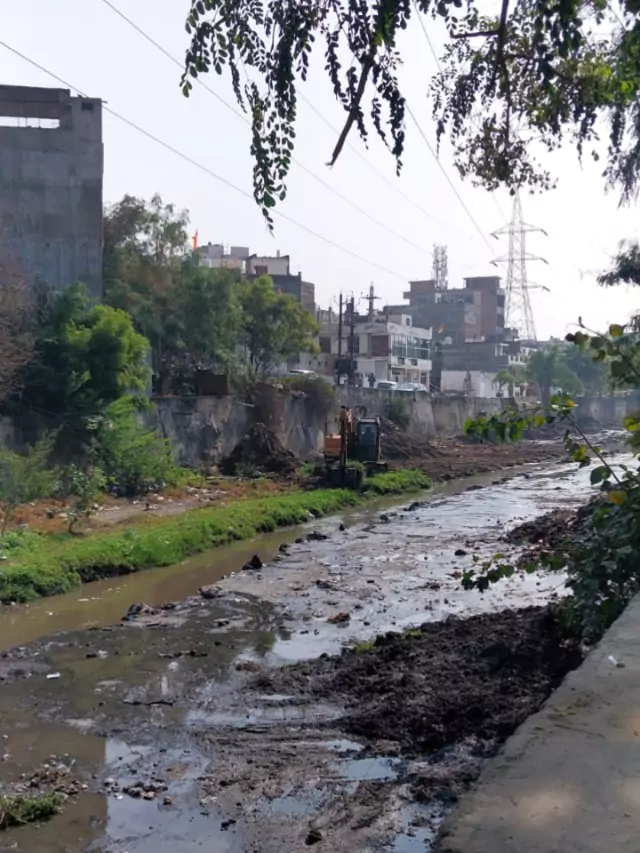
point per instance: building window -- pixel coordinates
(407, 346)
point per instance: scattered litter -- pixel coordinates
(53, 675)
(615, 662)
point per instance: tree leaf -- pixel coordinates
(602, 472)
(617, 496)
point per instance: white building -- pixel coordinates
(216, 256)
(269, 265)
(388, 348)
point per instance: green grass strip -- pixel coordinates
(45, 564)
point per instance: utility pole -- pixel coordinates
(352, 326)
(371, 298)
(518, 314)
(340, 326)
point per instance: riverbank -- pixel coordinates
(43, 560)
(41, 564)
(567, 780)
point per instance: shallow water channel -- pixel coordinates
(156, 702)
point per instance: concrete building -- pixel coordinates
(51, 168)
(279, 268)
(387, 347)
(216, 256)
(472, 313)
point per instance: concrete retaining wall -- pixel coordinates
(204, 429)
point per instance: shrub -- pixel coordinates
(318, 389)
(27, 477)
(397, 411)
(135, 460)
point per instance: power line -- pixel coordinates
(203, 168)
(380, 174)
(437, 61)
(449, 181)
(244, 118)
(426, 35)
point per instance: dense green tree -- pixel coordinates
(525, 79)
(16, 330)
(86, 356)
(510, 376)
(594, 375)
(189, 313)
(274, 327)
(549, 369)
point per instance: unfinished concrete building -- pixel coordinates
(51, 168)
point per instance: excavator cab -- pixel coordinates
(367, 443)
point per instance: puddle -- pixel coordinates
(295, 805)
(420, 828)
(370, 769)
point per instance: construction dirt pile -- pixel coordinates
(443, 684)
(261, 451)
(397, 444)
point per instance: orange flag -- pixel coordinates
(195, 241)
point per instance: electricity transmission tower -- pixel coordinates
(518, 314)
(440, 268)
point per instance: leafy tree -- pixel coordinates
(86, 356)
(16, 330)
(544, 71)
(548, 368)
(274, 327)
(510, 376)
(211, 312)
(594, 375)
(134, 229)
(134, 459)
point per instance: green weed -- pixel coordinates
(19, 810)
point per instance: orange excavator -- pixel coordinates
(358, 440)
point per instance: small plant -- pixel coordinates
(84, 486)
(20, 810)
(247, 471)
(26, 477)
(397, 411)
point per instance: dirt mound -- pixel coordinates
(260, 450)
(550, 529)
(554, 528)
(446, 682)
(396, 444)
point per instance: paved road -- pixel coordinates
(568, 781)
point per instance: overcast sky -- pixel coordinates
(88, 45)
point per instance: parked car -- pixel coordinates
(299, 372)
(411, 387)
(386, 385)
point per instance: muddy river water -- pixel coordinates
(154, 718)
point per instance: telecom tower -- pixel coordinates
(440, 268)
(518, 314)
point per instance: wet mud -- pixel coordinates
(442, 683)
(191, 726)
